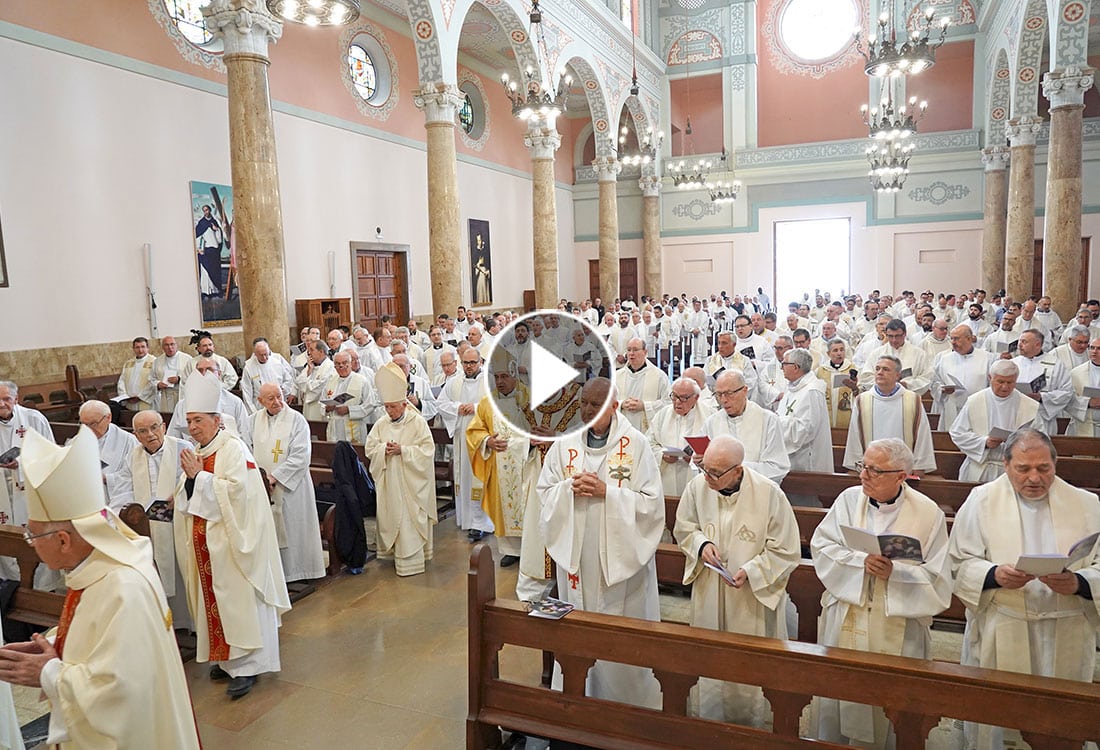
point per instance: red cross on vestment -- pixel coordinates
(574, 580)
(21, 431)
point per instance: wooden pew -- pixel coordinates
(914, 693)
(28, 604)
(1064, 444)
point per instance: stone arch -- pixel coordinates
(427, 32)
(1000, 99)
(1069, 33)
(638, 113)
(1032, 37)
(594, 92)
(579, 144)
(513, 21)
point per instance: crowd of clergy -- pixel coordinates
(710, 399)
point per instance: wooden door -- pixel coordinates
(381, 284)
(1037, 274)
(628, 279)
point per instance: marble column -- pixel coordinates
(246, 29)
(543, 140)
(607, 172)
(652, 253)
(439, 104)
(995, 159)
(1062, 229)
(1020, 230)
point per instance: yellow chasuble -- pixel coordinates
(501, 472)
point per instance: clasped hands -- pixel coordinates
(496, 443)
(879, 566)
(22, 663)
(1060, 583)
(588, 484)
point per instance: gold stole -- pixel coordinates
(264, 431)
(910, 402)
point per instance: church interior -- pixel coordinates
(380, 167)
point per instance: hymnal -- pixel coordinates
(1043, 565)
(1035, 386)
(698, 443)
(10, 455)
(1000, 433)
(907, 373)
(893, 546)
(159, 510)
(298, 349)
(723, 572)
(1090, 391)
(677, 452)
(338, 399)
(749, 352)
(549, 608)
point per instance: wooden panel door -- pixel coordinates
(381, 277)
(628, 279)
(1037, 274)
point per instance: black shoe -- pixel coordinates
(476, 536)
(507, 561)
(240, 686)
(217, 674)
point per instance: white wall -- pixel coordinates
(96, 160)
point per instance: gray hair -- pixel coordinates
(836, 340)
(785, 339)
(97, 408)
(900, 456)
(1027, 436)
(11, 386)
(1006, 368)
(892, 358)
(402, 329)
(694, 386)
(800, 357)
(1078, 330)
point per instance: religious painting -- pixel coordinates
(481, 263)
(215, 254)
(3, 261)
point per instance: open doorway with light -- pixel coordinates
(811, 254)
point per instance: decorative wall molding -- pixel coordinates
(938, 193)
(854, 149)
(696, 209)
(383, 110)
(211, 59)
(588, 173)
(477, 144)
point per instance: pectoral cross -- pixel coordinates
(277, 450)
(21, 431)
(574, 580)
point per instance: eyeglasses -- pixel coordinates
(788, 364)
(862, 467)
(684, 399)
(95, 422)
(29, 538)
(734, 392)
(716, 476)
(148, 430)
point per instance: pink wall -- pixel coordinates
(705, 107)
(948, 88)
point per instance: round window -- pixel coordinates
(363, 74)
(188, 18)
(817, 30)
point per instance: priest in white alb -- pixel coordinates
(642, 387)
(735, 519)
(227, 548)
(136, 388)
(347, 398)
(958, 374)
(264, 366)
(916, 366)
(401, 453)
(166, 375)
(758, 429)
(457, 403)
(872, 602)
(1084, 409)
(602, 518)
(1000, 407)
(727, 357)
(1045, 379)
(803, 416)
(311, 381)
(234, 417)
(839, 394)
(890, 410)
(115, 446)
(282, 447)
(1043, 625)
(683, 417)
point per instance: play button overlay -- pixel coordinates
(536, 370)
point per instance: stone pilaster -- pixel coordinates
(543, 140)
(1062, 229)
(607, 172)
(995, 217)
(246, 28)
(1020, 231)
(439, 104)
(652, 252)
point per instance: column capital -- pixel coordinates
(439, 102)
(1022, 131)
(1066, 87)
(650, 186)
(542, 139)
(246, 27)
(607, 168)
(996, 158)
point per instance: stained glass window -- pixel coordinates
(363, 74)
(188, 17)
(818, 29)
(466, 114)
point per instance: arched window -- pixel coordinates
(466, 114)
(364, 76)
(187, 15)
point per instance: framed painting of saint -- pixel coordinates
(215, 254)
(481, 264)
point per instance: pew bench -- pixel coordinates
(915, 694)
(28, 604)
(1066, 445)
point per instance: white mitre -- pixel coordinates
(391, 383)
(202, 393)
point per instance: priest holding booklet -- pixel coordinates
(882, 603)
(1021, 618)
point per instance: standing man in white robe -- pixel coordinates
(642, 388)
(1049, 379)
(912, 358)
(226, 547)
(602, 519)
(890, 410)
(112, 672)
(697, 327)
(264, 366)
(758, 430)
(733, 518)
(166, 375)
(136, 387)
(1042, 625)
(838, 395)
(1085, 410)
(346, 420)
(115, 447)
(402, 461)
(457, 403)
(727, 357)
(205, 348)
(282, 447)
(803, 415)
(872, 603)
(748, 343)
(670, 425)
(998, 406)
(1074, 352)
(958, 374)
(312, 379)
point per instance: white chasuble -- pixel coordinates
(761, 433)
(982, 412)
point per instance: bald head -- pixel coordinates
(726, 450)
(96, 416)
(271, 398)
(696, 374)
(402, 361)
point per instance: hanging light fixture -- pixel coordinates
(315, 12)
(535, 99)
(888, 123)
(724, 192)
(648, 146)
(892, 54)
(889, 165)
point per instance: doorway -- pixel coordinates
(381, 283)
(628, 279)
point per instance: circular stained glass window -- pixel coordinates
(466, 114)
(364, 76)
(187, 15)
(816, 30)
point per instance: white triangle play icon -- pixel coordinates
(548, 375)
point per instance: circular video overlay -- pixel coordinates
(536, 370)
